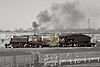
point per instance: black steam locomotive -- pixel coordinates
(62, 40)
(75, 40)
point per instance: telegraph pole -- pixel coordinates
(89, 26)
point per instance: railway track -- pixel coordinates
(75, 61)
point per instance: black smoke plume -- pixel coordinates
(61, 16)
(43, 16)
(35, 25)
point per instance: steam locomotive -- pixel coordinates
(62, 40)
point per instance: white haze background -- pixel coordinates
(21, 13)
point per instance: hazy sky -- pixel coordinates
(21, 13)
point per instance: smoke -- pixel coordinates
(35, 25)
(61, 16)
(43, 16)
